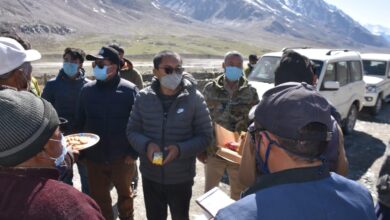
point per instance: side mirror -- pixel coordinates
(331, 85)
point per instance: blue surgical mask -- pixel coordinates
(60, 159)
(70, 69)
(233, 73)
(263, 165)
(100, 73)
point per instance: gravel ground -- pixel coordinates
(365, 148)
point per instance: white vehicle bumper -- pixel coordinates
(370, 99)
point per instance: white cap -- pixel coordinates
(13, 55)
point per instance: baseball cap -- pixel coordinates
(288, 107)
(106, 53)
(293, 67)
(13, 55)
(26, 124)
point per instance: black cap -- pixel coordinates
(293, 67)
(287, 108)
(106, 53)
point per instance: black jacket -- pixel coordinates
(104, 108)
(63, 92)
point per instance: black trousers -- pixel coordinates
(158, 197)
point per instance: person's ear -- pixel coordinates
(156, 73)
(223, 65)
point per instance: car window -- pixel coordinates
(355, 70)
(373, 67)
(264, 70)
(342, 73)
(330, 74)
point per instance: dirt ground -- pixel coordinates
(365, 148)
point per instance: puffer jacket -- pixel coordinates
(104, 108)
(62, 92)
(187, 125)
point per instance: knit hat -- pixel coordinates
(26, 124)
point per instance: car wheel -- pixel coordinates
(350, 121)
(378, 106)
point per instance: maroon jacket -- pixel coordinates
(33, 193)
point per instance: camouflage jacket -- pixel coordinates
(231, 112)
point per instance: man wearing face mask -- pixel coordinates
(104, 108)
(251, 65)
(296, 184)
(229, 98)
(62, 92)
(169, 120)
(31, 146)
(15, 66)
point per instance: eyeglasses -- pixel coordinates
(170, 70)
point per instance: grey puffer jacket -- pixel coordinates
(187, 124)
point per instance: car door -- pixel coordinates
(356, 83)
(337, 71)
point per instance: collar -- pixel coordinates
(186, 87)
(62, 75)
(48, 173)
(296, 175)
(113, 82)
(220, 82)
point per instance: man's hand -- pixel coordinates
(173, 153)
(152, 147)
(202, 157)
(129, 160)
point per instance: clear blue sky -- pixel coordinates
(365, 11)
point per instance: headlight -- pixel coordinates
(371, 88)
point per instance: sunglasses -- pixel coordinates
(170, 70)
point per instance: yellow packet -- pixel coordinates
(158, 158)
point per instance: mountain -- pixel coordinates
(314, 19)
(379, 31)
(270, 23)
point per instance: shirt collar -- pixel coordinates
(296, 175)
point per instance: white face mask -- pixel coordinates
(171, 81)
(60, 159)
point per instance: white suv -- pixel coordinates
(377, 78)
(340, 79)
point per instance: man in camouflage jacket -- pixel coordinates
(229, 98)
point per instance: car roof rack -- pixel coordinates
(335, 50)
(292, 48)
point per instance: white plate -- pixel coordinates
(92, 140)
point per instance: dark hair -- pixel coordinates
(305, 150)
(116, 47)
(25, 44)
(253, 57)
(75, 54)
(165, 53)
(294, 67)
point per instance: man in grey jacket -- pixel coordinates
(170, 117)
